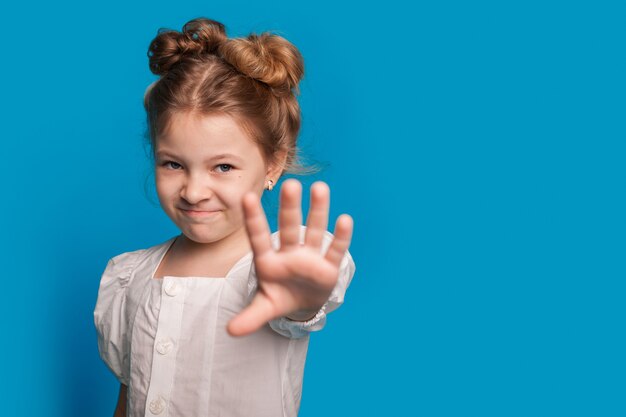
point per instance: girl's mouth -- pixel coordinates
(193, 213)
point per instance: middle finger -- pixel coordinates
(317, 220)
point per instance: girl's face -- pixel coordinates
(204, 166)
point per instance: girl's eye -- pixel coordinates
(165, 164)
(224, 167)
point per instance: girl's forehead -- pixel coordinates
(209, 126)
(206, 136)
(216, 130)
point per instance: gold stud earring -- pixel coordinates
(270, 185)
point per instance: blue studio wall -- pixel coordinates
(479, 147)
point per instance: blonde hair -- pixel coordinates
(253, 79)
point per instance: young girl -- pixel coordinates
(216, 320)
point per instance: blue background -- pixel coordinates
(479, 147)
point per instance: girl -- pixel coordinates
(216, 321)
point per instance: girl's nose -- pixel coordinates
(195, 189)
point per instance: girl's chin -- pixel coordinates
(203, 234)
(196, 238)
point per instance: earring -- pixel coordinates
(270, 185)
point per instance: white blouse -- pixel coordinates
(166, 339)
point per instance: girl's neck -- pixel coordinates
(235, 245)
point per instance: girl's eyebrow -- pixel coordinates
(162, 154)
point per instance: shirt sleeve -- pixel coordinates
(297, 329)
(109, 315)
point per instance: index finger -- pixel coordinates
(256, 225)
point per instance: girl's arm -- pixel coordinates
(120, 409)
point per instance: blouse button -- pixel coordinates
(164, 346)
(157, 405)
(171, 288)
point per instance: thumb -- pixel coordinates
(251, 318)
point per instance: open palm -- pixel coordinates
(296, 280)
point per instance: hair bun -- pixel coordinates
(199, 36)
(268, 58)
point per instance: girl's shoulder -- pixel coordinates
(122, 266)
(126, 258)
(119, 269)
(144, 252)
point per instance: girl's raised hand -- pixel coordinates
(296, 280)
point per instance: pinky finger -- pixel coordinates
(343, 236)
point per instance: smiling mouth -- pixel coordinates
(195, 213)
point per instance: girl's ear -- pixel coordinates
(275, 169)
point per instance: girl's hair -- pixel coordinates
(253, 79)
